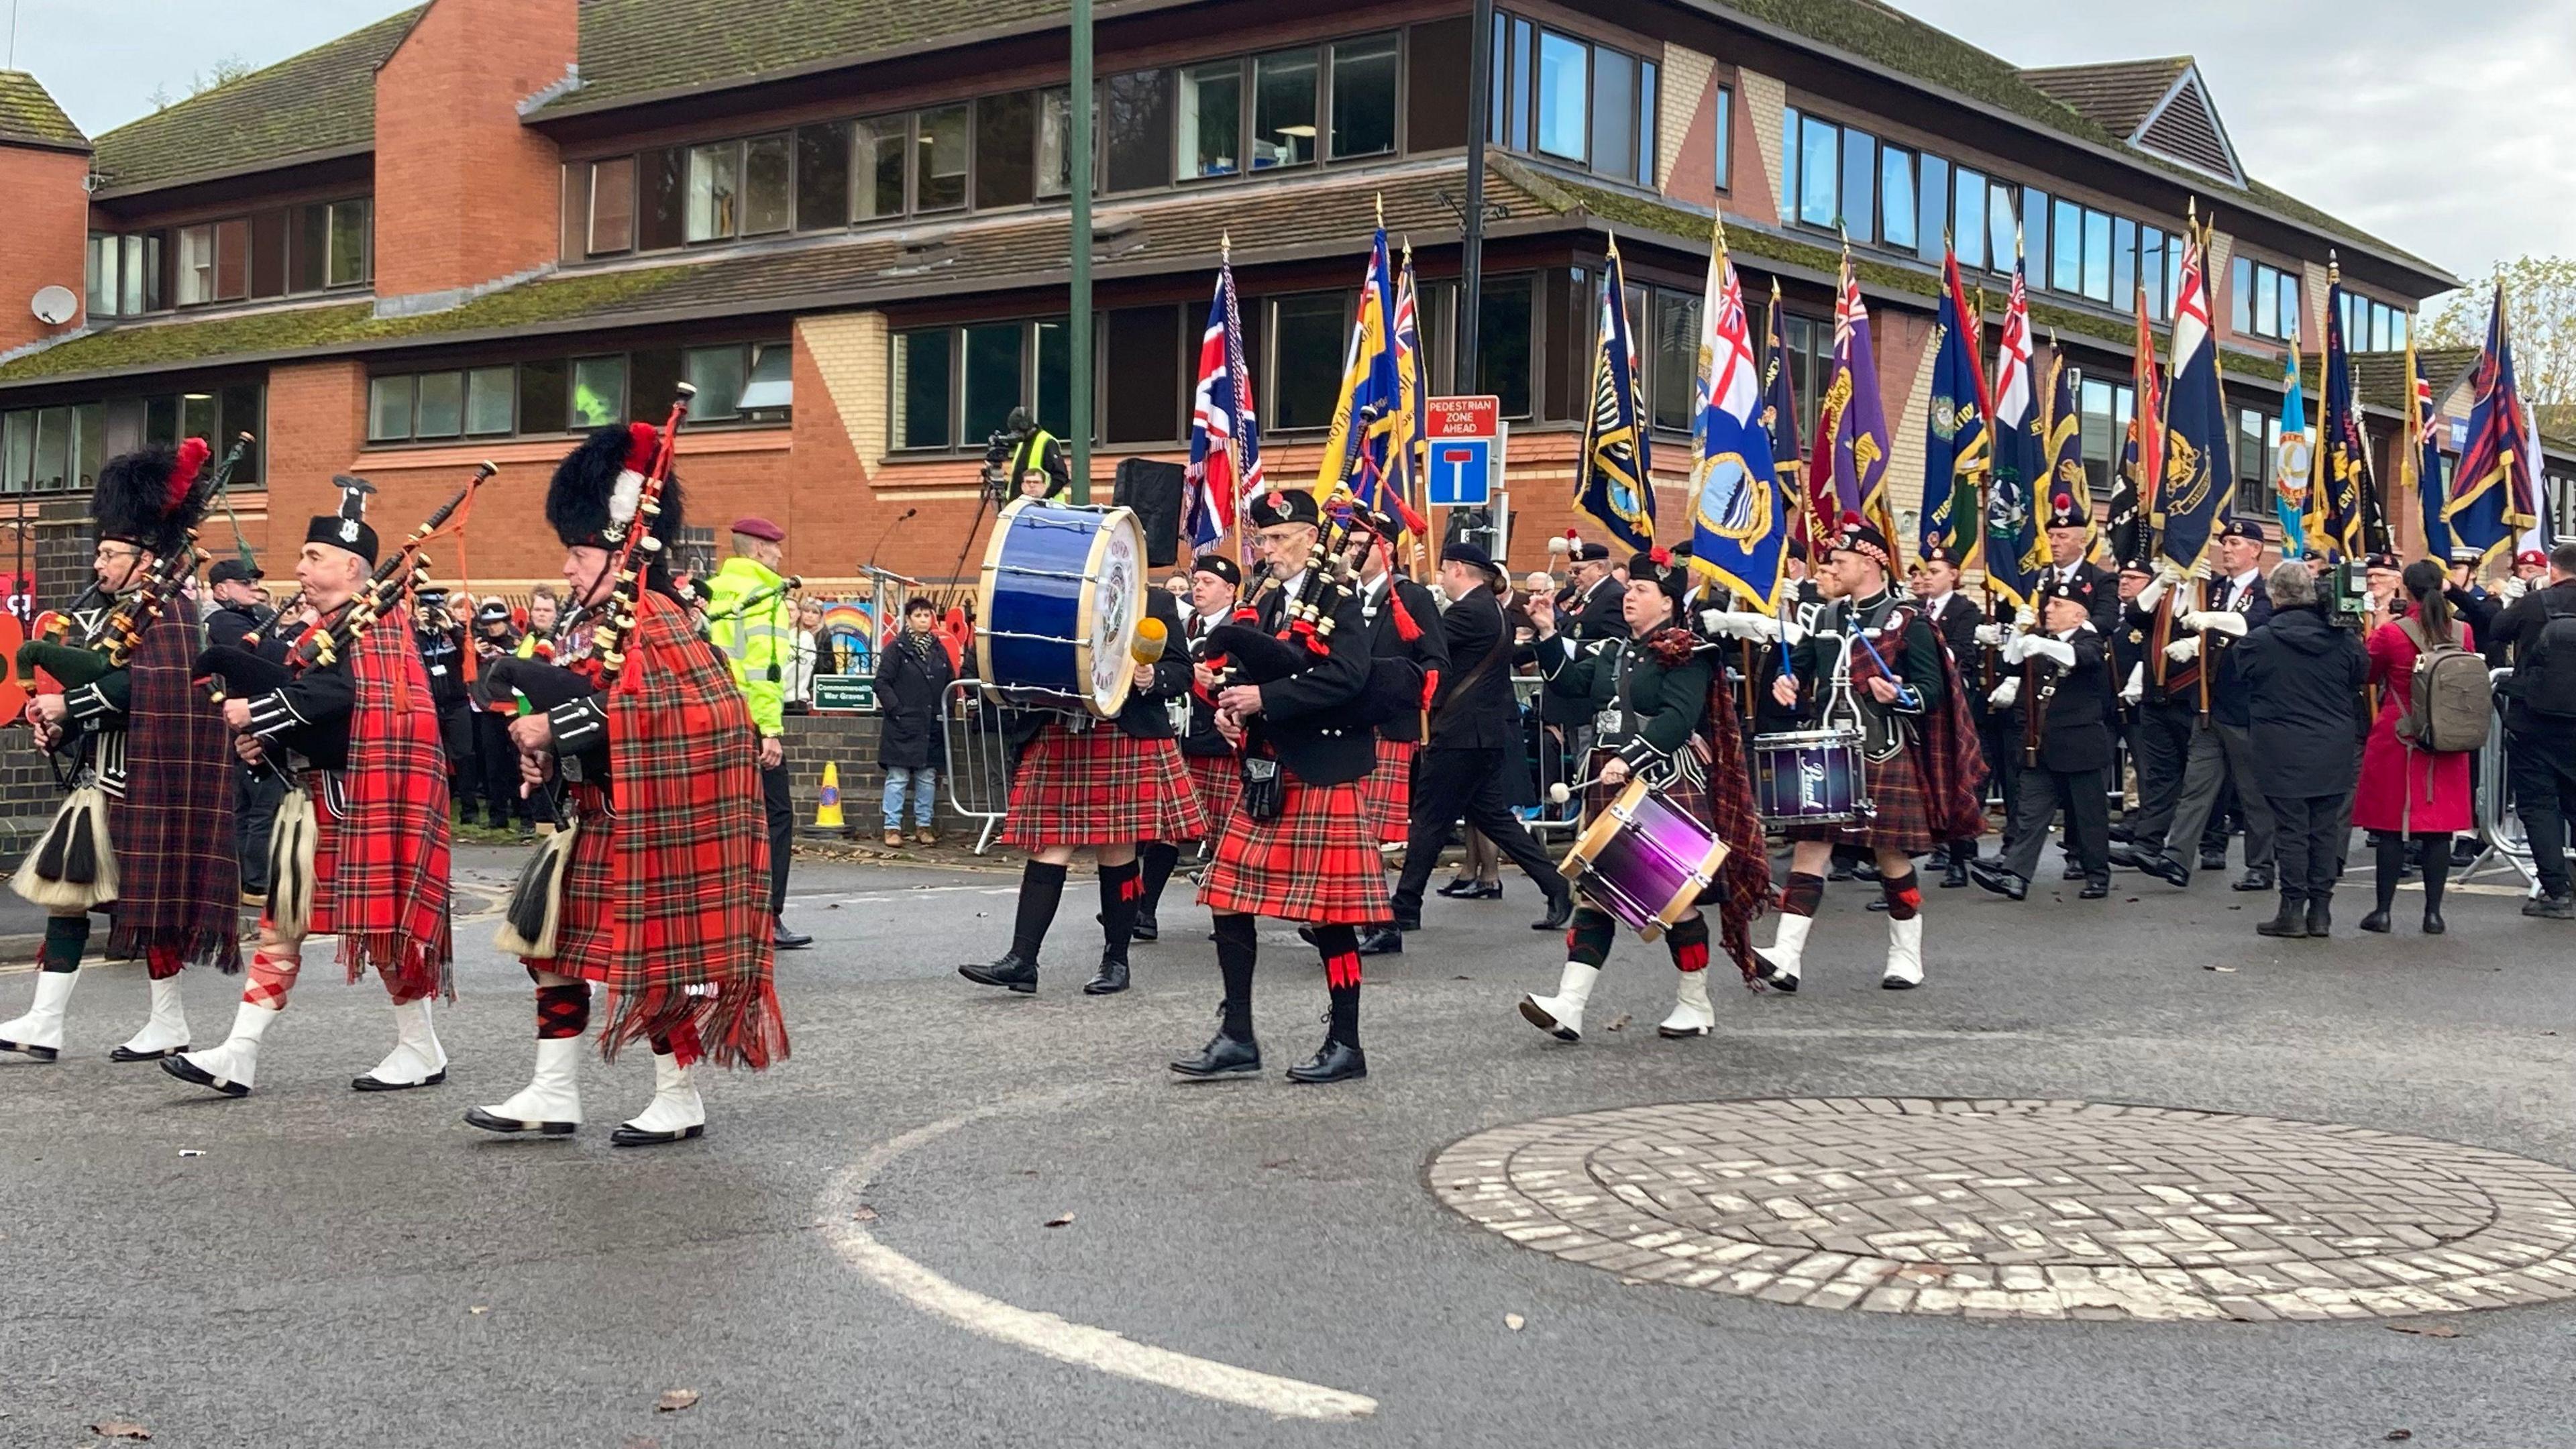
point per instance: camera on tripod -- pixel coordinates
(998, 447)
(2346, 592)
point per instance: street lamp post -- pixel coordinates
(1078, 163)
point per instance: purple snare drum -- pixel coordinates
(1809, 777)
(1644, 861)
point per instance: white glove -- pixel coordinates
(2005, 693)
(2183, 650)
(1783, 631)
(2200, 570)
(2136, 688)
(2040, 646)
(2026, 618)
(2224, 621)
(2017, 648)
(2154, 591)
(2512, 589)
(1737, 624)
(2167, 570)
(1990, 635)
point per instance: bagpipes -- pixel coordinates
(111, 646)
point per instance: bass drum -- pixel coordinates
(1063, 590)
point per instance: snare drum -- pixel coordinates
(1644, 861)
(1809, 777)
(1064, 587)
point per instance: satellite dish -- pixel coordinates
(54, 306)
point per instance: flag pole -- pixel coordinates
(1079, 174)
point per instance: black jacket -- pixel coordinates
(1428, 649)
(1305, 717)
(442, 658)
(1595, 616)
(2303, 679)
(1957, 625)
(2101, 594)
(230, 625)
(2513, 629)
(913, 671)
(310, 716)
(1475, 708)
(1201, 737)
(1658, 707)
(2229, 698)
(1147, 714)
(2071, 737)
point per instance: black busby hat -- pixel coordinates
(346, 529)
(2062, 512)
(1858, 536)
(151, 498)
(1657, 566)
(597, 487)
(1284, 506)
(1219, 565)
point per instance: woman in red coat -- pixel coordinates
(2404, 790)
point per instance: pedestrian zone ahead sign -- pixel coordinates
(1466, 442)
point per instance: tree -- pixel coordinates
(2540, 303)
(223, 73)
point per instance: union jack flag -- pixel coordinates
(1225, 438)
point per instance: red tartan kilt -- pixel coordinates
(586, 940)
(1218, 782)
(1904, 812)
(1099, 786)
(1388, 789)
(326, 852)
(1316, 863)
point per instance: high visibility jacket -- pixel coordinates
(1043, 454)
(757, 640)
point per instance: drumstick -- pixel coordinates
(1905, 694)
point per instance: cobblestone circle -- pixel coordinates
(2025, 1209)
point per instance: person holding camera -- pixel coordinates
(1032, 459)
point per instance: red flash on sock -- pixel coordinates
(1691, 957)
(1342, 969)
(1132, 888)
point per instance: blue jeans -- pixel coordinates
(925, 795)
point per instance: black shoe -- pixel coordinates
(1990, 875)
(378, 1084)
(2257, 879)
(2320, 919)
(120, 1054)
(1940, 857)
(1402, 923)
(2121, 834)
(2432, 921)
(2464, 853)
(2094, 889)
(1839, 870)
(2130, 857)
(2376, 922)
(1876, 903)
(1381, 941)
(2551, 908)
(2167, 869)
(1955, 874)
(1111, 979)
(1560, 911)
(636, 1137)
(2213, 860)
(527, 830)
(1486, 890)
(2071, 871)
(2290, 925)
(1464, 885)
(785, 939)
(1332, 1062)
(1223, 1056)
(1013, 970)
(1865, 870)
(187, 1071)
(1147, 929)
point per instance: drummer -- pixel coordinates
(1875, 663)
(1656, 717)
(1106, 784)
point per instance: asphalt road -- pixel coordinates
(311, 1267)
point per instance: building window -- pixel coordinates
(994, 353)
(941, 183)
(1932, 213)
(1614, 107)
(718, 373)
(768, 185)
(768, 394)
(389, 411)
(1283, 109)
(1563, 80)
(1724, 132)
(1819, 176)
(1810, 361)
(1860, 186)
(1211, 122)
(2262, 300)
(2151, 270)
(598, 391)
(2066, 264)
(1969, 239)
(714, 191)
(612, 206)
(1006, 149)
(51, 450)
(1673, 371)
(1136, 121)
(924, 385)
(196, 265)
(439, 408)
(489, 394)
(2105, 409)
(1307, 335)
(1364, 97)
(2258, 439)
(1055, 141)
(1503, 352)
(823, 161)
(662, 209)
(348, 243)
(880, 152)
(1141, 375)
(1896, 202)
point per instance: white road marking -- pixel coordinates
(1046, 1333)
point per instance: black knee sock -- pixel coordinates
(1688, 941)
(2437, 868)
(65, 938)
(2390, 848)
(1588, 939)
(1236, 946)
(1904, 895)
(1122, 889)
(1339, 945)
(1803, 894)
(1158, 858)
(1041, 888)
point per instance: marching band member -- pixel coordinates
(2221, 744)
(1955, 618)
(147, 725)
(1401, 622)
(1309, 855)
(1661, 714)
(1216, 587)
(665, 891)
(2062, 669)
(363, 733)
(1916, 739)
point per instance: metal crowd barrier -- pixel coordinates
(2500, 834)
(1551, 765)
(979, 759)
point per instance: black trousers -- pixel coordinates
(2087, 804)
(781, 807)
(256, 796)
(2307, 853)
(500, 766)
(1999, 735)
(1448, 784)
(2540, 765)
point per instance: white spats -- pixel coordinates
(674, 1115)
(1780, 959)
(164, 1033)
(551, 1101)
(1561, 1015)
(39, 1033)
(1904, 955)
(228, 1068)
(417, 1059)
(1692, 1014)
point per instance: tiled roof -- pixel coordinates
(2116, 96)
(1024, 250)
(28, 114)
(315, 103)
(2380, 380)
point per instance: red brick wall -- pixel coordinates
(48, 238)
(465, 194)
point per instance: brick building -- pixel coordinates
(470, 229)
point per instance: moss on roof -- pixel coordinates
(635, 48)
(323, 100)
(28, 113)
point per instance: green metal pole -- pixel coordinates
(1079, 163)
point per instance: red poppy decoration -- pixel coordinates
(1661, 556)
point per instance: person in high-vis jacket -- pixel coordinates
(1035, 465)
(751, 618)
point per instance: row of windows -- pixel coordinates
(1564, 97)
(2370, 326)
(745, 381)
(59, 449)
(2263, 300)
(1276, 110)
(1841, 178)
(275, 253)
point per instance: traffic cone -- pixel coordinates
(827, 815)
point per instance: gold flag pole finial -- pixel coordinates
(1225, 247)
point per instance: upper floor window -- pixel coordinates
(274, 253)
(1567, 98)
(1723, 132)
(2263, 300)
(2370, 326)
(736, 381)
(2258, 442)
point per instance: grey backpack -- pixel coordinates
(2452, 701)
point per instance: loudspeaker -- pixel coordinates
(1154, 491)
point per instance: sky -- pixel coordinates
(2456, 143)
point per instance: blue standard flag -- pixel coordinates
(2015, 548)
(1739, 515)
(2343, 480)
(2491, 490)
(1614, 487)
(2419, 457)
(2199, 469)
(1956, 451)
